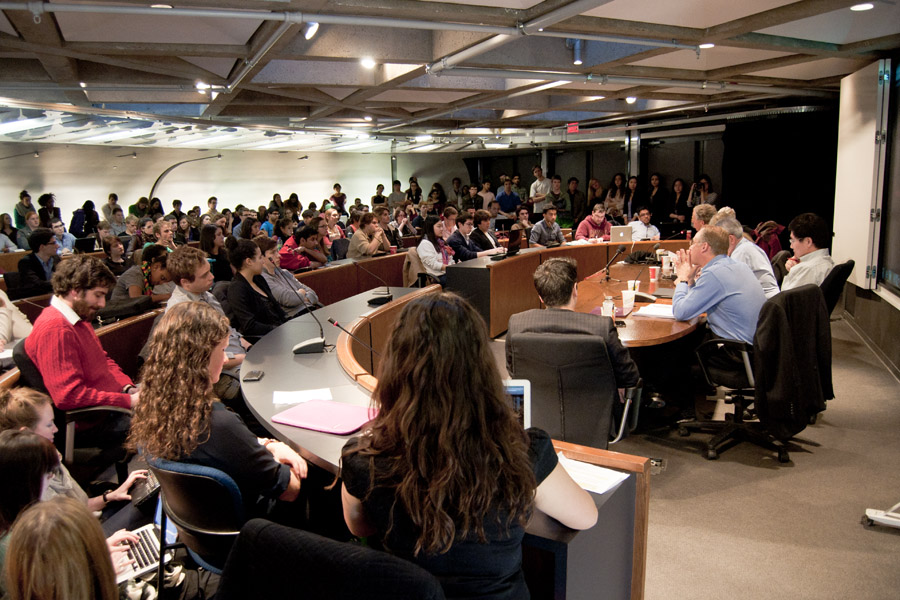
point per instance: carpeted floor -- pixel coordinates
(748, 527)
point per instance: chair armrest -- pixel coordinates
(714, 345)
(71, 415)
(632, 405)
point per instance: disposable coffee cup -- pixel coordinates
(627, 300)
(393, 249)
(634, 285)
(654, 273)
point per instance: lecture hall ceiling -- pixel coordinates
(442, 76)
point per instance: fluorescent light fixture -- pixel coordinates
(494, 146)
(423, 138)
(363, 136)
(201, 86)
(862, 7)
(706, 46)
(160, 6)
(367, 62)
(310, 29)
(630, 99)
(22, 125)
(427, 148)
(279, 144)
(115, 135)
(207, 140)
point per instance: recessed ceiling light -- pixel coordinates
(862, 7)
(630, 99)
(367, 118)
(706, 46)
(368, 62)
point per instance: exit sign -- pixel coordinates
(571, 127)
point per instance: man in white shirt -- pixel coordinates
(811, 262)
(642, 229)
(539, 190)
(743, 250)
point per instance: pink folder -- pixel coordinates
(327, 416)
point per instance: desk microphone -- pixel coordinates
(312, 345)
(619, 251)
(339, 326)
(385, 295)
(675, 235)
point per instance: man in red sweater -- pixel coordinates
(64, 348)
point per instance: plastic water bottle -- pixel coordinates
(609, 308)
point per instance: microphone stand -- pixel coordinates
(385, 295)
(312, 345)
(339, 326)
(619, 251)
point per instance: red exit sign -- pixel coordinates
(571, 127)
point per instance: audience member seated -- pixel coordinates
(482, 235)
(508, 200)
(547, 230)
(48, 210)
(255, 312)
(140, 208)
(146, 279)
(353, 222)
(212, 241)
(368, 239)
(444, 475)
(555, 282)
(391, 234)
(163, 235)
(36, 269)
(727, 291)
(65, 241)
(22, 208)
(57, 550)
(144, 235)
(434, 253)
(193, 277)
(32, 222)
(115, 259)
(812, 262)
(179, 417)
(702, 215)
(249, 227)
(461, 243)
(743, 250)
(294, 297)
(401, 223)
(14, 327)
(334, 229)
(523, 223)
(66, 351)
(594, 227)
(449, 216)
(8, 234)
(26, 409)
(303, 249)
(642, 229)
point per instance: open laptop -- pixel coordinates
(85, 244)
(514, 242)
(519, 393)
(144, 555)
(620, 234)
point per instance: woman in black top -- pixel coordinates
(212, 241)
(48, 210)
(255, 310)
(681, 212)
(445, 474)
(658, 199)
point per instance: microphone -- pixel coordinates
(312, 345)
(385, 295)
(676, 234)
(339, 326)
(619, 251)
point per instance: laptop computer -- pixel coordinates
(143, 556)
(85, 245)
(514, 242)
(620, 234)
(519, 393)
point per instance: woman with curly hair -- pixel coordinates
(445, 474)
(179, 417)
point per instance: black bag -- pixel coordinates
(124, 309)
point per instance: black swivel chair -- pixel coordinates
(274, 561)
(339, 248)
(779, 267)
(834, 282)
(573, 387)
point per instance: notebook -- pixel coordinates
(327, 416)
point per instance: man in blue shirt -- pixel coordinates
(269, 226)
(547, 230)
(64, 239)
(508, 200)
(726, 290)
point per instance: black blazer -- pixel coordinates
(32, 277)
(462, 249)
(253, 315)
(481, 239)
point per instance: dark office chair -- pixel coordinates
(206, 507)
(65, 438)
(274, 561)
(339, 248)
(834, 282)
(573, 387)
(778, 265)
(785, 375)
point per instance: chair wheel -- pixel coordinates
(866, 521)
(683, 431)
(813, 419)
(711, 454)
(783, 456)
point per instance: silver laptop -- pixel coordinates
(519, 393)
(620, 234)
(143, 556)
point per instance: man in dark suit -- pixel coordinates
(555, 282)
(36, 269)
(463, 246)
(483, 237)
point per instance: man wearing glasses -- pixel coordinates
(811, 262)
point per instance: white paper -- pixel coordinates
(6, 353)
(656, 310)
(592, 478)
(301, 396)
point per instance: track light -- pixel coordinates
(576, 52)
(630, 99)
(367, 62)
(310, 29)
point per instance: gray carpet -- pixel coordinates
(747, 526)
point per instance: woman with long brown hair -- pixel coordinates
(445, 474)
(179, 417)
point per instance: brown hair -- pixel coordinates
(81, 273)
(172, 418)
(19, 408)
(184, 262)
(25, 458)
(715, 236)
(555, 279)
(481, 216)
(265, 243)
(453, 450)
(56, 552)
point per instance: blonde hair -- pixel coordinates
(57, 551)
(726, 212)
(19, 407)
(172, 418)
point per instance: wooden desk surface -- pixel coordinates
(638, 331)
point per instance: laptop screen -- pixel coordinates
(519, 393)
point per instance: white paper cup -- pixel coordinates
(634, 285)
(627, 300)
(654, 273)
